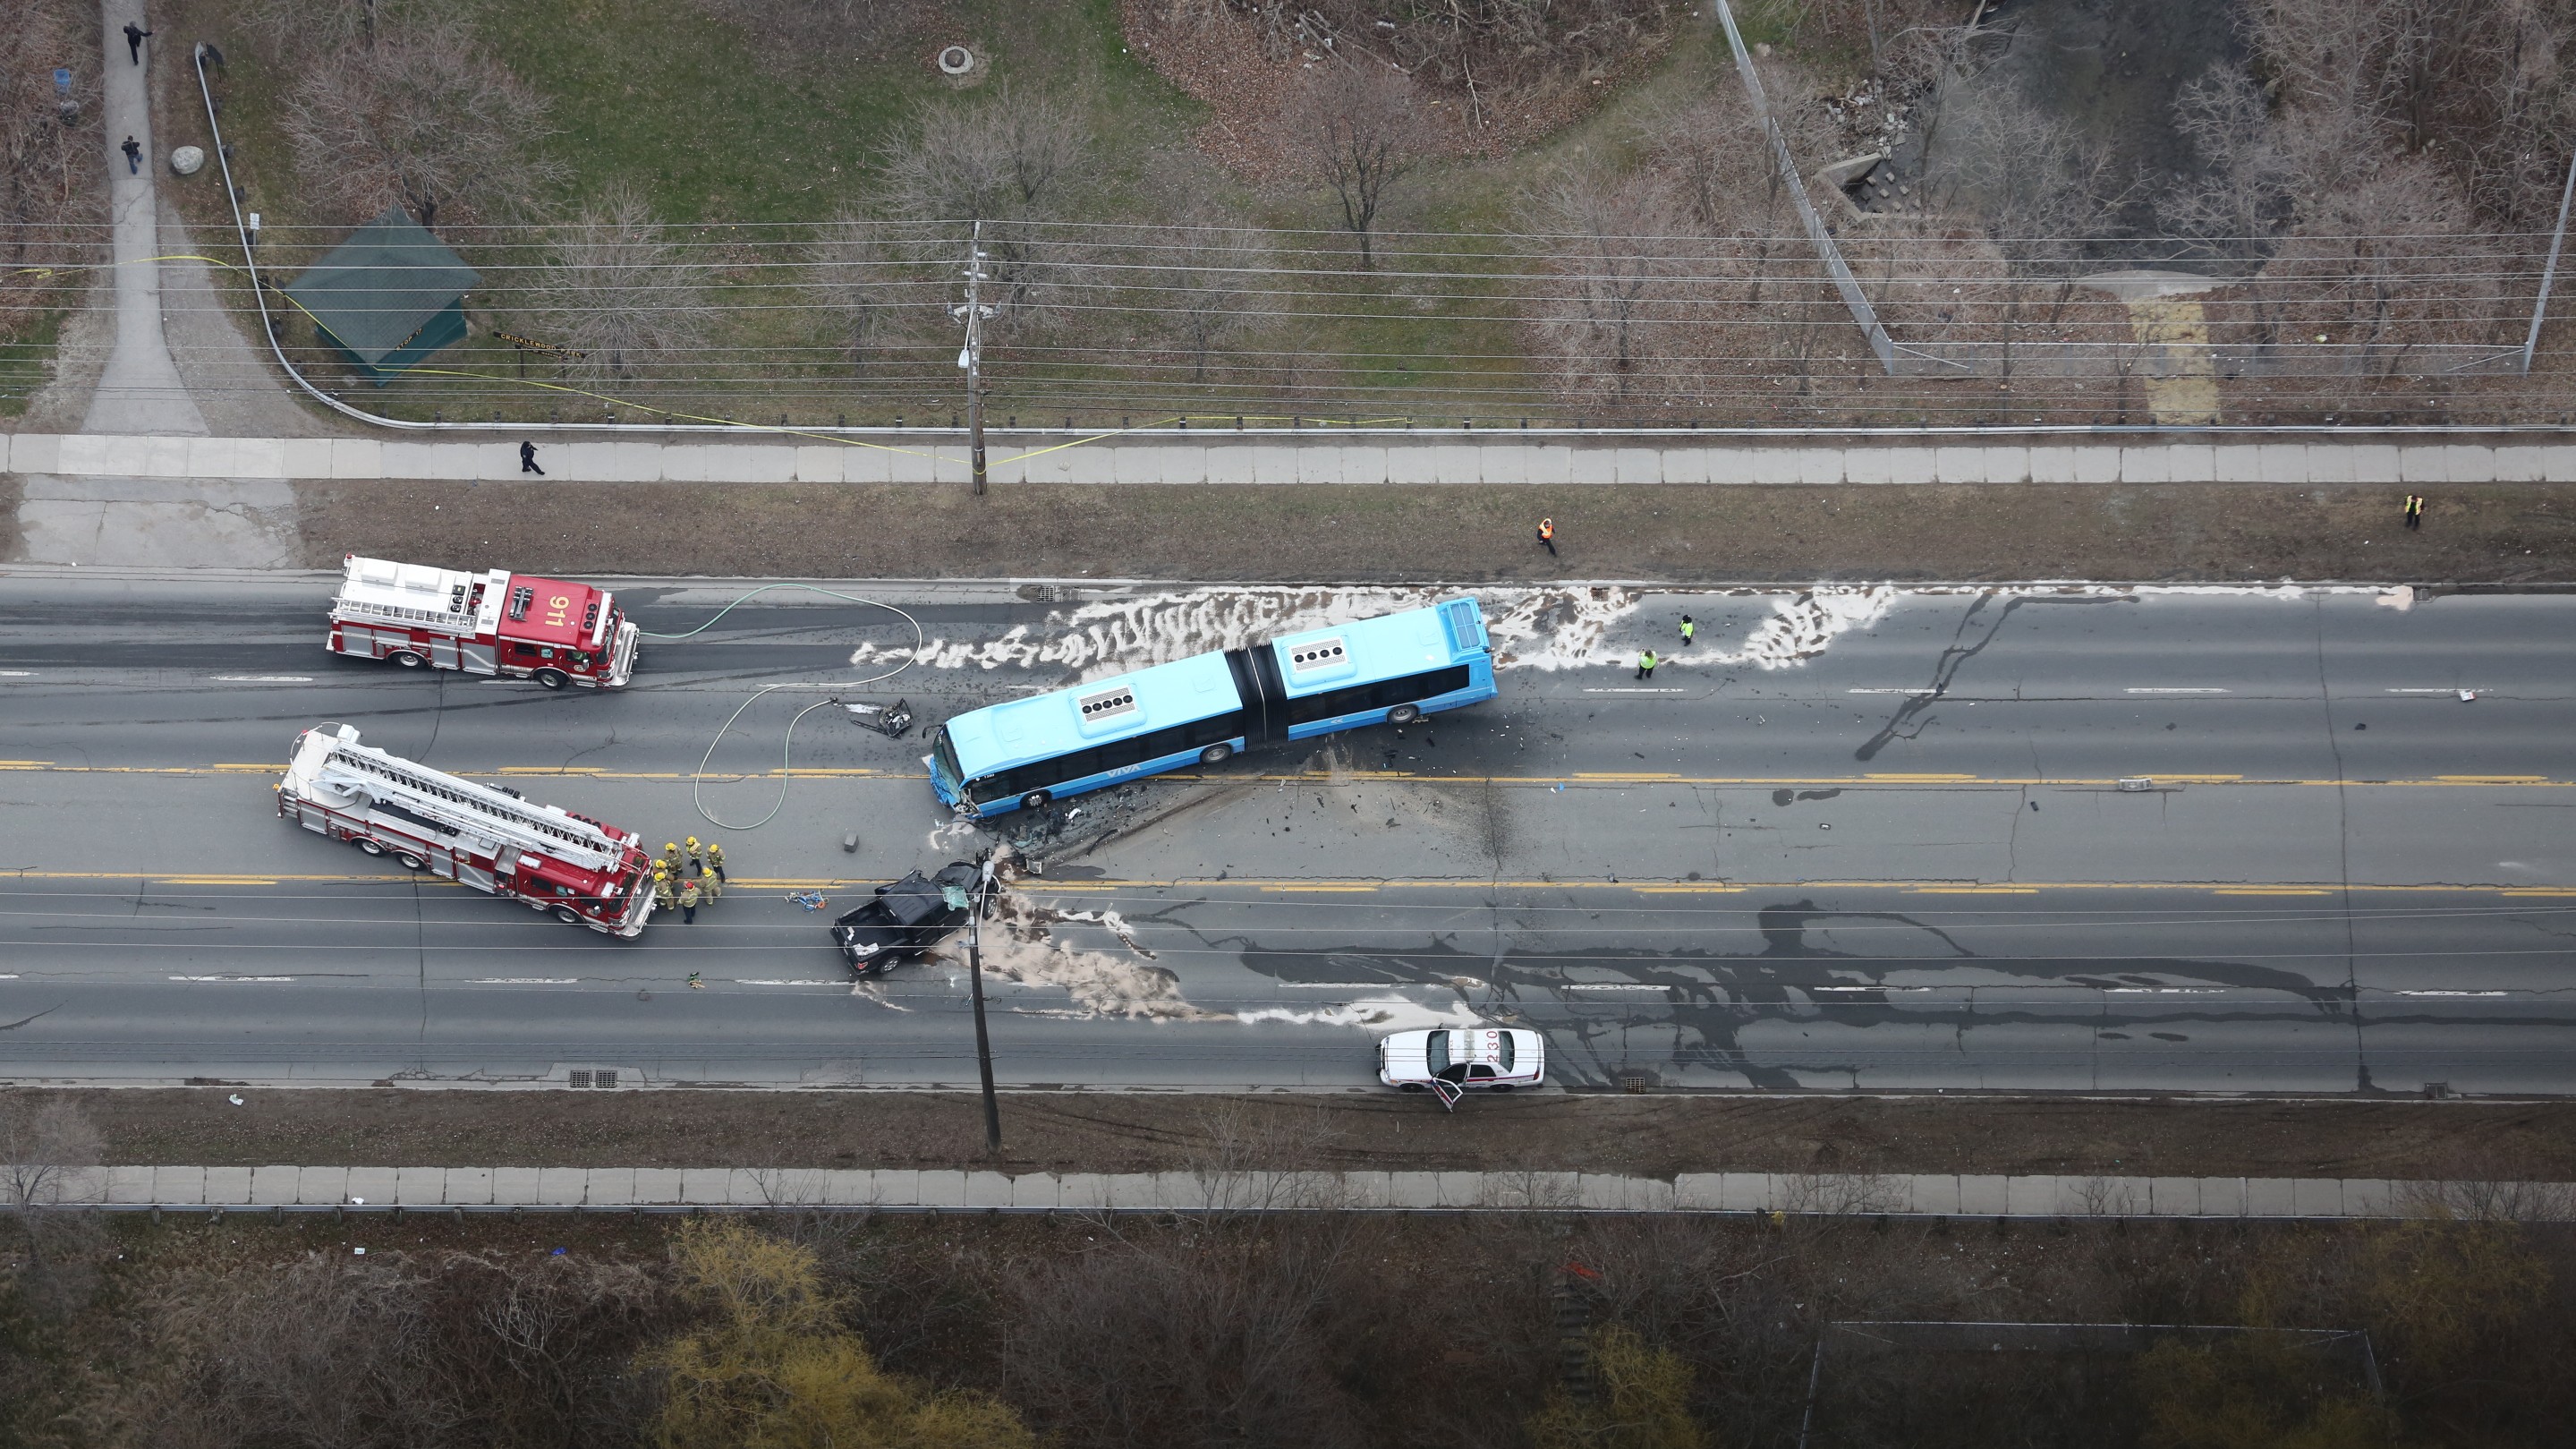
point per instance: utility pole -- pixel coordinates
(971, 358)
(975, 973)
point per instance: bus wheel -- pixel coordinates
(1035, 800)
(411, 861)
(1403, 714)
(1216, 754)
(568, 915)
(551, 678)
(369, 846)
(406, 659)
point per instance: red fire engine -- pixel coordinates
(553, 632)
(586, 873)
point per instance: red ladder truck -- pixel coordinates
(495, 622)
(584, 872)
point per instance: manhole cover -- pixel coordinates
(956, 60)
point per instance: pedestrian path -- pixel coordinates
(139, 392)
(909, 1190)
(1279, 457)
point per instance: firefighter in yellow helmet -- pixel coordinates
(666, 897)
(715, 862)
(671, 856)
(695, 851)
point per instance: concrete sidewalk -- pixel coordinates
(1551, 460)
(140, 390)
(906, 1190)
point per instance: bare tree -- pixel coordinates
(49, 1169)
(1200, 281)
(874, 275)
(621, 290)
(1007, 161)
(1358, 129)
(1611, 245)
(423, 115)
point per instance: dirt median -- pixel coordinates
(1084, 1132)
(2506, 533)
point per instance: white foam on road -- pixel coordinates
(1546, 629)
(1377, 1013)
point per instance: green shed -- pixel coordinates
(389, 296)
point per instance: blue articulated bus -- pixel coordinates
(1204, 709)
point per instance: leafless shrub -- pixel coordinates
(1842, 1194)
(1358, 129)
(393, 1350)
(1204, 1333)
(618, 288)
(422, 114)
(1262, 1156)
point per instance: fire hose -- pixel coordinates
(697, 782)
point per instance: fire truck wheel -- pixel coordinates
(411, 861)
(568, 915)
(551, 678)
(406, 659)
(369, 846)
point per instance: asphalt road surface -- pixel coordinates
(1970, 840)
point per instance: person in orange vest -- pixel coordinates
(1547, 536)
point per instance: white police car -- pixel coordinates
(1485, 1058)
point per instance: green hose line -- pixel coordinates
(697, 782)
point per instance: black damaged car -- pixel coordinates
(905, 918)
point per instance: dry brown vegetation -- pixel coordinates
(50, 145)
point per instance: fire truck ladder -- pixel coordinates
(336, 769)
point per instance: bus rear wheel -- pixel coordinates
(551, 679)
(407, 659)
(1403, 714)
(1035, 800)
(1216, 754)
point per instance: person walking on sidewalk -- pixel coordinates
(1547, 537)
(1646, 662)
(133, 156)
(2414, 511)
(528, 460)
(1690, 631)
(715, 862)
(688, 903)
(134, 41)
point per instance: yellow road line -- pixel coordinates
(1691, 890)
(2491, 779)
(1322, 887)
(2274, 891)
(1928, 779)
(1625, 775)
(1936, 890)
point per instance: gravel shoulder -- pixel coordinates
(2513, 533)
(1081, 1132)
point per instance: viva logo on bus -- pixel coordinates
(1204, 709)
